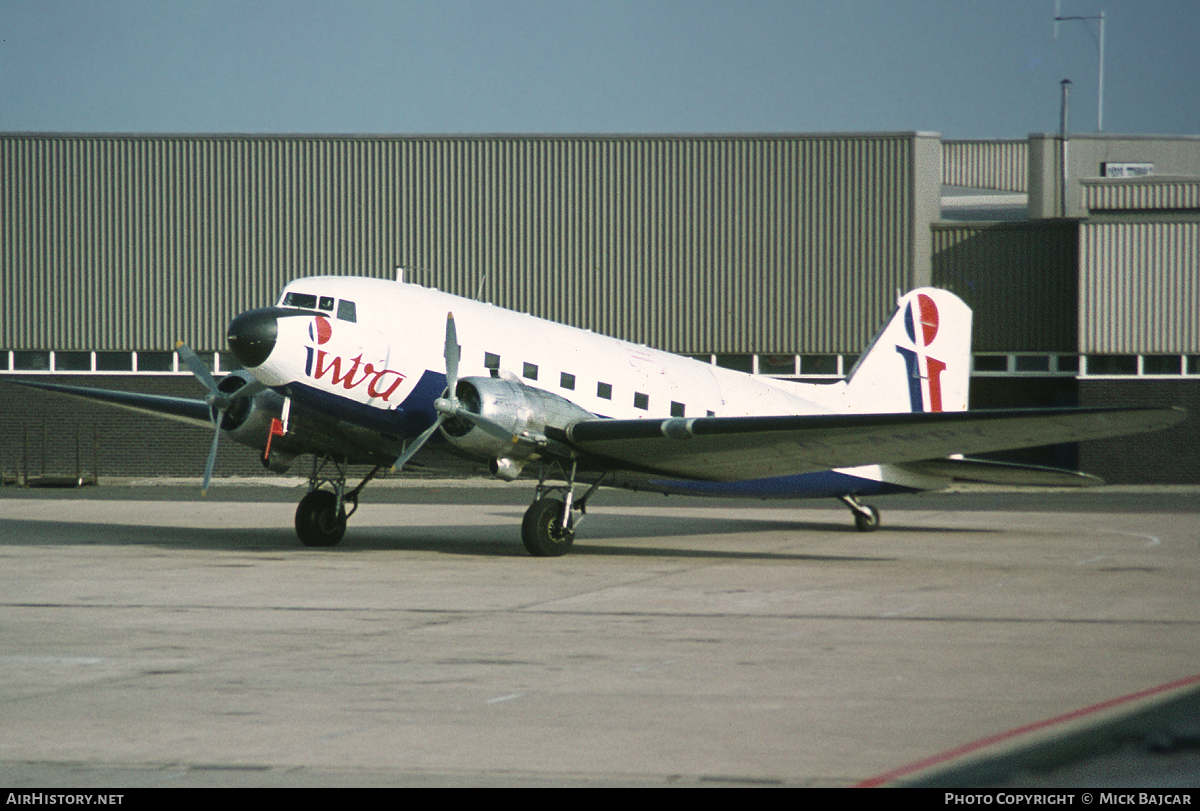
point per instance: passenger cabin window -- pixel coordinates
(346, 311)
(676, 409)
(326, 303)
(530, 371)
(567, 381)
(641, 401)
(491, 362)
(604, 391)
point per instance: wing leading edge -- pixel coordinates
(735, 448)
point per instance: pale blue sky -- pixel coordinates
(965, 68)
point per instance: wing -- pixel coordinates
(183, 409)
(735, 448)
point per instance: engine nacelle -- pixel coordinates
(521, 411)
(278, 461)
(248, 420)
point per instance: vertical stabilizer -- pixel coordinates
(920, 361)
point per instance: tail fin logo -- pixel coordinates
(924, 372)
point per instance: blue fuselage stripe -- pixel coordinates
(407, 420)
(824, 483)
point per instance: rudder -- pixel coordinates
(919, 361)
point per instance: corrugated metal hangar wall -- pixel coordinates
(736, 247)
(1098, 307)
(691, 244)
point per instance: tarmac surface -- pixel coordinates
(153, 638)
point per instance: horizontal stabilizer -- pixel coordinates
(734, 448)
(194, 412)
(986, 471)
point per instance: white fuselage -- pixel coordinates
(373, 353)
(398, 336)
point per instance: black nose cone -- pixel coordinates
(252, 336)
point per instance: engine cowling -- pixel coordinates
(248, 419)
(522, 412)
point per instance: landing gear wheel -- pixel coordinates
(542, 531)
(318, 523)
(867, 521)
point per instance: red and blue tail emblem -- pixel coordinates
(919, 361)
(924, 371)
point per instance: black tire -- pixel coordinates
(316, 522)
(542, 531)
(867, 522)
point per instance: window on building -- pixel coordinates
(1032, 363)
(155, 361)
(72, 361)
(777, 364)
(114, 362)
(1161, 364)
(31, 361)
(1112, 364)
(739, 363)
(991, 363)
(817, 364)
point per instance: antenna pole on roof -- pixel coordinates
(1099, 46)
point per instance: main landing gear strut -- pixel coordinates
(321, 515)
(548, 529)
(866, 517)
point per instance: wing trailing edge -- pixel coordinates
(987, 471)
(733, 448)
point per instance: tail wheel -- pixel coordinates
(867, 521)
(318, 520)
(542, 530)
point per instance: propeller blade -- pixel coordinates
(415, 445)
(212, 455)
(197, 366)
(249, 390)
(451, 354)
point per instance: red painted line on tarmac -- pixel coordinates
(951, 754)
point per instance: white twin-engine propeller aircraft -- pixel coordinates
(369, 371)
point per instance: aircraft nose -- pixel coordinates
(252, 336)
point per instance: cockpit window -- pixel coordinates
(305, 300)
(346, 310)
